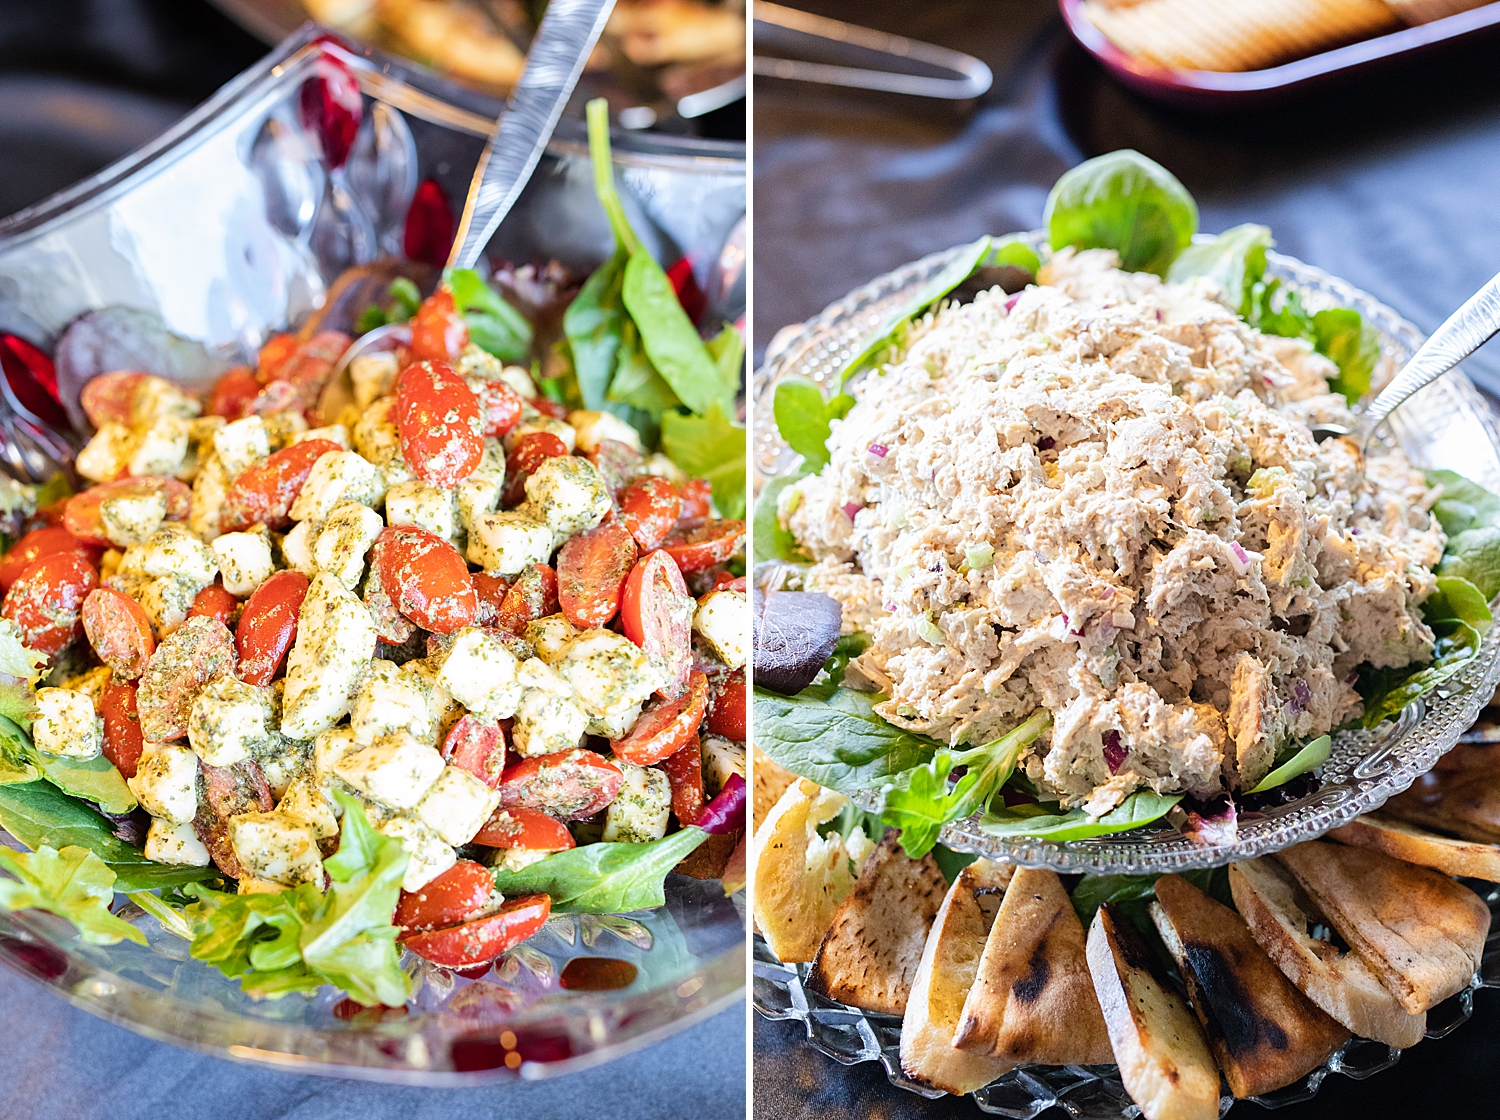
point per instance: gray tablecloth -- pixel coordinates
(1393, 184)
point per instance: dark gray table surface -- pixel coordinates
(1393, 184)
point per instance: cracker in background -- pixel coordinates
(1425, 11)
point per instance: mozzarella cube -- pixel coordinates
(519, 379)
(659, 465)
(283, 427)
(284, 760)
(160, 448)
(228, 720)
(376, 438)
(373, 375)
(66, 724)
(335, 638)
(395, 770)
(538, 422)
(442, 709)
(106, 454)
(210, 488)
(333, 433)
(640, 811)
(241, 443)
(423, 505)
(343, 540)
(172, 550)
(549, 636)
(721, 758)
(176, 844)
(166, 783)
(505, 544)
(592, 428)
(457, 805)
(480, 492)
(722, 620)
(607, 672)
(166, 601)
(297, 548)
(480, 673)
(616, 724)
(276, 846)
(389, 701)
(569, 494)
(336, 477)
(515, 859)
(478, 365)
(305, 801)
(549, 718)
(131, 518)
(155, 397)
(428, 856)
(245, 560)
(328, 748)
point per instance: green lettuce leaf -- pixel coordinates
(494, 325)
(73, 883)
(1342, 334)
(25, 664)
(1125, 202)
(803, 417)
(1309, 757)
(1140, 808)
(604, 878)
(1014, 252)
(710, 447)
(1235, 259)
(772, 541)
(1464, 505)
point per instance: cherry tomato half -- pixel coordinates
(107, 398)
(265, 490)
(307, 370)
(123, 741)
(438, 332)
(702, 546)
(276, 352)
(656, 612)
(81, 516)
(697, 499)
(569, 785)
(483, 939)
(453, 897)
(120, 631)
(197, 652)
(667, 728)
(268, 626)
(684, 769)
(426, 579)
(649, 507)
(233, 393)
(528, 829)
(532, 596)
(618, 463)
(490, 593)
(728, 710)
(46, 602)
(591, 572)
(499, 408)
(437, 417)
(525, 456)
(214, 602)
(36, 544)
(477, 745)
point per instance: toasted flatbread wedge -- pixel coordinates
(870, 954)
(1338, 980)
(1414, 844)
(800, 877)
(1032, 999)
(946, 971)
(1421, 932)
(1158, 1045)
(768, 781)
(1262, 1031)
(1464, 803)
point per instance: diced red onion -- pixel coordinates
(1301, 695)
(1010, 304)
(1046, 443)
(1214, 826)
(726, 812)
(1241, 558)
(879, 450)
(1114, 752)
(1107, 593)
(851, 508)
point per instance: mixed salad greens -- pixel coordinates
(832, 735)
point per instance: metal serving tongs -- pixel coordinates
(1465, 331)
(971, 77)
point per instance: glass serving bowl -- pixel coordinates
(1447, 425)
(221, 232)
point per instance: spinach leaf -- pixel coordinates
(636, 382)
(72, 883)
(604, 878)
(1140, 808)
(1474, 555)
(892, 332)
(803, 418)
(1235, 259)
(949, 862)
(94, 779)
(921, 803)
(668, 336)
(1310, 757)
(710, 447)
(1093, 891)
(17, 763)
(494, 325)
(833, 736)
(727, 349)
(1125, 202)
(597, 112)
(1343, 335)
(1464, 505)
(1014, 252)
(1387, 691)
(771, 540)
(592, 324)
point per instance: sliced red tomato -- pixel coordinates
(648, 508)
(667, 728)
(228, 791)
(725, 580)
(437, 417)
(123, 741)
(197, 652)
(277, 351)
(81, 516)
(265, 490)
(591, 571)
(656, 613)
(490, 592)
(455, 896)
(233, 393)
(107, 398)
(728, 710)
(483, 939)
(702, 546)
(618, 463)
(529, 829)
(477, 745)
(499, 408)
(46, 602)
(427, 579)
(308, 368)
(391, 626)
(554, 409)
(684, 769)
(528, 453)
(532, 596)
(214, 602)
(38, 543)
(697, 499)
(439, 332)
(268, 626)
(119, 630)
(569, 785)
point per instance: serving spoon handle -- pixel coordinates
(1465, 331)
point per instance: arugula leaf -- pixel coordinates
(833, 736)
(803, 418)
(771, 540)
(604, 878)
(1310, 757)
(72, 883)
(1235, 259)
(710, 447)
(1140, 808)
(406, 298)
(1093, 891)
(892, 332)
(1125, 202)
(1343, 335)
(494, 325)
(921, 803)
(593, 324)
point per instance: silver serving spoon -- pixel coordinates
(1466, 330)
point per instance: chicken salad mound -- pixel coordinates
(1100, 497)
